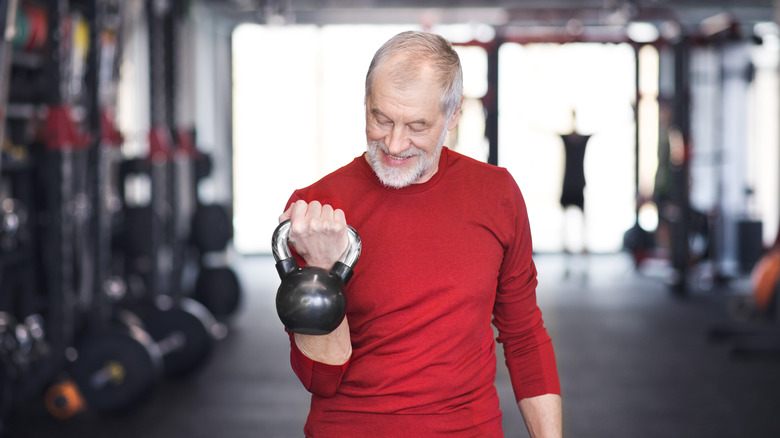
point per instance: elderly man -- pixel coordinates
(446, 252)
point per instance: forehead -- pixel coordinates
(413, 91)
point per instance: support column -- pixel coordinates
(491, 102)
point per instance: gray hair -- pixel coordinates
(420, 50)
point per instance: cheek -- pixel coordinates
(374, 133)
(426, 142)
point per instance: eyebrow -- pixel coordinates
(378, 113)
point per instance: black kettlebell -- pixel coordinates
(310, 300)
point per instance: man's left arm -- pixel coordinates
(528, 348)
(542, 415)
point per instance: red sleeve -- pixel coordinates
(527, 346)
(318, 378)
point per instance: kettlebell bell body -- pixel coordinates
(310, 300)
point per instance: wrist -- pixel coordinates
(334, 348)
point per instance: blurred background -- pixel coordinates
(149, 147)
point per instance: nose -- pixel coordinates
(397, 141)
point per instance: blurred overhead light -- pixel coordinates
(574, 27)
(670, 30)
(624, 12)
(642, 32)
(466, 32)
(769, 33)
(484, 33)
(717, 23)
(766, 28)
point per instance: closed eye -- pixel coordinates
(418, 127)
(380, 118)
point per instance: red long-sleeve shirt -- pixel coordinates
(441, 261)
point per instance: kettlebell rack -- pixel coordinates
(99, 296)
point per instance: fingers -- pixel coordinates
(318, 232)
(306, 216)
(324, 218)
(314, 216)
(338, 216)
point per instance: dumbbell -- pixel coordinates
(310, 300)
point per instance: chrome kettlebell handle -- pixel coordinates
(281, 250)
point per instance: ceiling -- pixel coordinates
(495, 12)
(594, 19)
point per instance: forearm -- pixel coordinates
(319, 365)
(332, 349)
(542, 415)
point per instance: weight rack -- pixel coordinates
(75, 331)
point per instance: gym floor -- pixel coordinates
(634, 360)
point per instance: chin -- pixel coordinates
(391, 177)
(394, 177)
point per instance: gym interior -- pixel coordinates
(149, 147)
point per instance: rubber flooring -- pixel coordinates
(634, 361)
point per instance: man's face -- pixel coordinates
(405, 129)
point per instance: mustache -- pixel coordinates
(411, 152)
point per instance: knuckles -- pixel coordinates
(317, 232)
(315, 218)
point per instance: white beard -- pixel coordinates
(398, 177)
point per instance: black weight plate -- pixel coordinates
(116, 369)
(7, 376)
(134, 166)
(203, 166)
(219, 290)
(184, 333)
(137, 230)
(212, 228)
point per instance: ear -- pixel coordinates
(453, 122)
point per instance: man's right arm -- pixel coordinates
(318, 233)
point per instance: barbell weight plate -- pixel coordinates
(8, 374)
(219, 290)
(134, 166)
(211, 228)
(136, 235)
(184, 333)
(203, 166)
(116, 368)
